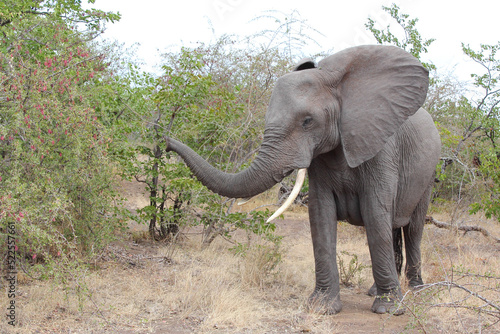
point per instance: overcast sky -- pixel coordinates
(167, 25)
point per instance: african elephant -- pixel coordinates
(355, 122)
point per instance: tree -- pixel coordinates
(290, 34)
(177, 97)
(411, 40)
(482, 126)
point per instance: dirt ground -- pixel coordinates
(354, 318)
(140, 286)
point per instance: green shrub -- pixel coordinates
(56, 182)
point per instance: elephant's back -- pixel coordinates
(423, 122)
(426, 136)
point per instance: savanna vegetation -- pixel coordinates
(110, 233)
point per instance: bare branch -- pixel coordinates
(465, 228)
(450, 284)
(139, 180)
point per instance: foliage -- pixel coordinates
(56, 182)
(490, 200)
(472, 149)
(411, 41)
(176, 102)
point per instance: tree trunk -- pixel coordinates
(153, 187)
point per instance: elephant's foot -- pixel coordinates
(372, 292)
(324, 302)
(387, 303)
(416, 282)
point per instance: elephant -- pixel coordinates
(354, 123)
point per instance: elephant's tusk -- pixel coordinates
(301, 176)
(242, 201)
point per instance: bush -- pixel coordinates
(56, 182)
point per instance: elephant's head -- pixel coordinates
(355, 99)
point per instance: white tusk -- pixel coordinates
(301, 176)
(242, 201)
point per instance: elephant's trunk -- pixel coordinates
(252, 181)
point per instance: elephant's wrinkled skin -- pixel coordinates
(355, 122)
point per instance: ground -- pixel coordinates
(140, 286)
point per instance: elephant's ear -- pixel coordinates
(304, 64)
(379, 87)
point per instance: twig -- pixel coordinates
(448, 284)
(416, 317)
(75, 65)
(139, 180)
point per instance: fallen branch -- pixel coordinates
(465, 228)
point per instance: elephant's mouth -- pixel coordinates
(301, 176)
(278, 177)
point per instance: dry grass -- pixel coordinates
(213, 290)
(205, 289)
(452, 264)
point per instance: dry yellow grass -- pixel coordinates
(159, 288)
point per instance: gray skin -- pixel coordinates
(355, 122)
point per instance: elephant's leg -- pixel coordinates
(372, 291)
(378, 223)
(413, 237)
(322, 218)
(397, 243)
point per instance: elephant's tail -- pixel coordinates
(397, 242)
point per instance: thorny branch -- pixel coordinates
(449, 285)
(475, 299)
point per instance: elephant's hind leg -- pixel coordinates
(397, 244)
(413, 238)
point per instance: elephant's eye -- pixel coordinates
(307, 122)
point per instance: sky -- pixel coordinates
(165, 25)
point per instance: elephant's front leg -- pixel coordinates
(323, 221)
